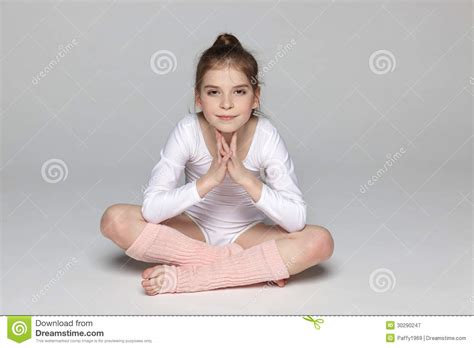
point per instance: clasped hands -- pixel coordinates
(226, 161)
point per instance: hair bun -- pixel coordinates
(227, 40)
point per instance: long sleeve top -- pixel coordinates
(268, 159)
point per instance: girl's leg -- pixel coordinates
(259, 263)
(300, 250)
(123, 223)
(161, 243)
(276, 255)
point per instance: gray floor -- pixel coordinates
(67, 266)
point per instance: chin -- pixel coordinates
(227, 127)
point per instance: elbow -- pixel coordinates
(300, 221)
(148, 215)
(145, 213)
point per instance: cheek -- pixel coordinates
(205, 99)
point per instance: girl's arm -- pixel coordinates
(162, 199)
(280, 197)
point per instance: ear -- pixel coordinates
(256, 100)
(197, 99)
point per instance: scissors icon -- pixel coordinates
(315, 322)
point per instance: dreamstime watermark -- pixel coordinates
(281, 53)
(59, 274)
(382, 62)
(273, 171)
(63, 50)
(169, 282)
(19, 328)
(54, 170)
(388, 163)
(163, 61)
(382, 280)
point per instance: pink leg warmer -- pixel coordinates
(259, 263)
(163, 244)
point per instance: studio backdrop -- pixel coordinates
(374, 102)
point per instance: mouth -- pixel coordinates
(226, 117)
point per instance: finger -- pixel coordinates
(223, 152)
(233, 143)
(218, 155)
(221, 137)
(219, 146)
(224, 144)
(228, 156)
(225, 159)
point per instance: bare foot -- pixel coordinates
(281, 283)
(153, 278)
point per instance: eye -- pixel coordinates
(243, 92)
(211, 92)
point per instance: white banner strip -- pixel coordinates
(237, 331)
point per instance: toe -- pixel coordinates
(151, 292)
(146, 282)
(146, 273)
(152, 286)
(151, 272)
(150, 289)
(154, 282)
(280, 283)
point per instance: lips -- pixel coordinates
(226, 117)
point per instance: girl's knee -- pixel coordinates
(327, 243)
(112, 220)
(320, 244)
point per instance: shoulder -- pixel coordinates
(268, 132)
(269, 143)
(183, 133)
(265, 123)
(185, 127)
(187, 122)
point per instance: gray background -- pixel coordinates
(105, 113)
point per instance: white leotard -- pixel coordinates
(227, 210)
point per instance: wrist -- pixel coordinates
(205, 184)
(250, 182)
(247, 181)
(253, 186)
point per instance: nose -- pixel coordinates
(226, 102)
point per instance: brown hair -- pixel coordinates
(227, 51)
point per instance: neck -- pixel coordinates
(240, 133)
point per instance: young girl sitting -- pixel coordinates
(209, 233)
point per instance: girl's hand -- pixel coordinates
(235, 167)
(218, 168)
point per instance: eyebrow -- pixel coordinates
(238, 86)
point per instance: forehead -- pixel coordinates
(224, 77)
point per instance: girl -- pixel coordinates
(209, 233)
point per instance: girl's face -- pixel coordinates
(226, 92)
